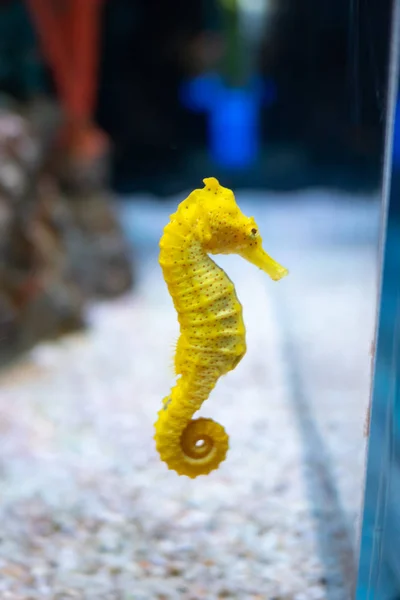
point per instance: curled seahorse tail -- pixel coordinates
(191, 447)
(203, 445)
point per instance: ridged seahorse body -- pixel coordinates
(212, 333)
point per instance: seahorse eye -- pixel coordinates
(254, 231)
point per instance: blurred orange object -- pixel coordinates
(69, 33)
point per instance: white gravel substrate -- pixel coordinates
(88, 510)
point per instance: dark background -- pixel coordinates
(328, 61)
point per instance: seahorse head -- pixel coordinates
(226, 230)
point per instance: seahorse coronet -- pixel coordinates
(212, 338)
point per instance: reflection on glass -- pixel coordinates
(379, 567)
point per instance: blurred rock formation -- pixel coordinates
(60, 241)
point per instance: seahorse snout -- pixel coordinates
(257, 256)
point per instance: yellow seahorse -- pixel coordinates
(212, 338)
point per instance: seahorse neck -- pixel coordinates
(180, 242)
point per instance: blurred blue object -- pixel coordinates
(199, 94)
(233, 116)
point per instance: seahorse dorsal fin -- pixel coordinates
(211, 183)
